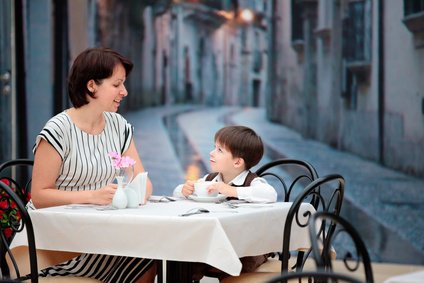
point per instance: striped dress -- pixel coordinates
(87, 166)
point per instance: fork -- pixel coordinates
(196, 211)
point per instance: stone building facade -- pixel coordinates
(344, 72)
(348, 73)
(206, 53)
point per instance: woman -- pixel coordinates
(72, 164)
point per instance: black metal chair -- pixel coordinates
(288, 175)
(17, 174)
(328, 229)
(325, 194)
(314, 276)
(14, 219)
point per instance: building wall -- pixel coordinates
(329, 66)
(206, 63)
(162, 42)
(359, 124)
(404, 84)
(81, 26)
(151, 95)
(39, 68)
(288, 102)
(353, 123)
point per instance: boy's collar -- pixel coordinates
(238, 180)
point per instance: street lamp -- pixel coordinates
(246, 15)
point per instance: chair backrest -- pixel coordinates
(288, 174)
(314, 276)
(327, 193)
(354, 256)
(14, 218)
(17, 173)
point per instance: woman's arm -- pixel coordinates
(44, 192)
(138, 167)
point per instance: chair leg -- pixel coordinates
(159, 271)
(299, 261)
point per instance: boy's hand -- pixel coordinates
(224, 189)
(188, 188)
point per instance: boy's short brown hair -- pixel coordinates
(242, 142)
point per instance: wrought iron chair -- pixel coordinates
(326, 230)
(17, 174)
(325, 194)
(289, 175)
(15, 218)
(314, 276)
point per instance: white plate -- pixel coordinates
(207, 199)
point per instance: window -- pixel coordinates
(296, 25)
(325, 19)
(414, 20)
(356, 50)
(354, 32)
(413, 7)
(257, 55)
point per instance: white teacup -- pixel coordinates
(201, 189)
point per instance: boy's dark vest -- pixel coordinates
(249, 178)
(249, 263)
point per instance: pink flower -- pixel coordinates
(119, 161)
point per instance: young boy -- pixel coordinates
(237, 149)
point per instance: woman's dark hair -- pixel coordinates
(93, 64)
(241, 142)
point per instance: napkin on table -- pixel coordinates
(139, 184)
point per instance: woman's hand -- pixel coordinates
(224, 189)
(104, 195)
(188, 188)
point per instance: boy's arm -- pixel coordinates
(258, 191)
(183, 190)
(178, 191)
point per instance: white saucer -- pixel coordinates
(207, 199)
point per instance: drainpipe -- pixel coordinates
(20, 107)
(381, 98)
(271, 93)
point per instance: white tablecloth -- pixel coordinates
(156, 230)
(413, 277)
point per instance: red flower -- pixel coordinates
(9, 214)
(6, 181)
(4, 204)
(7, 232)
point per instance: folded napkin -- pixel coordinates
(139, 184)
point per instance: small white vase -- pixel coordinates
(120, 198)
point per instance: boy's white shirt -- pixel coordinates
(258, 191)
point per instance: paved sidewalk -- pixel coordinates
(394, 200)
